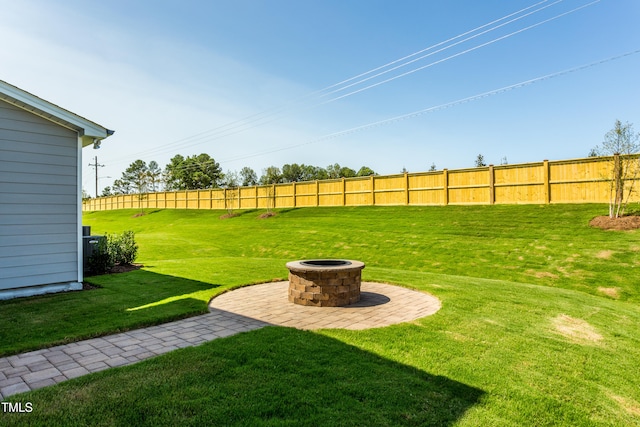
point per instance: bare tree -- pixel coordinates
(271, 176)
(623, 145)
(231, 191)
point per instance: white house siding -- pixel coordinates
(38, 202)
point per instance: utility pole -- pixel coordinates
(96, 166)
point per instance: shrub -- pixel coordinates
(123, 248)
(113, 249)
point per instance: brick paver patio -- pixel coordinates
(379, 305)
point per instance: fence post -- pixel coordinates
(547, 180)
(406, 188)
(294, 193)
(317, 193)
(445, 187)
(344, 192)
(373, 190)
(274, 196)
(492, 185)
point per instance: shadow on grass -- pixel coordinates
(46, 320)
(286, 210)
(156, 289)
(246, 212)
(146, 211)
(271, 376)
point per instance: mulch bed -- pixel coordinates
(229, 215)
(630, 222)
(125, 268)
(267, 215)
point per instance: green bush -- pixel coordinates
(111, 250)
(123, 248)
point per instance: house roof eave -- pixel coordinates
(89, 131)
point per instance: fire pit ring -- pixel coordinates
(324, 282)
(325, 262)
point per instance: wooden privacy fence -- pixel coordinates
(568, 181)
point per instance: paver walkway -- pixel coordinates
(240, 310)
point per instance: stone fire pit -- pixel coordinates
(324, 282)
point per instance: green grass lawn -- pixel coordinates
(539, 324)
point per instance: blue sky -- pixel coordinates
(168, 75)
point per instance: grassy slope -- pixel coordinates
(546, 245)
(492, 356)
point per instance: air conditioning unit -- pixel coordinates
(89, 244)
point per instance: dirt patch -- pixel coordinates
(139, 214)
(266, 215)
(577, 330)
(629, 405)
(610, 292)
(606, 254)
(545, 274)
(460, 337)
(630, 222)
(229, 215)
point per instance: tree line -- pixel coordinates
(202, 172)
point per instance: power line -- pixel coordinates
(437, 107)
(441, 43)
(465, 51)
(441, 106)
(213, 137)
(258, 119)
(438, 51)
(411, 71)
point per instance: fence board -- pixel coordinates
(306, 194)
